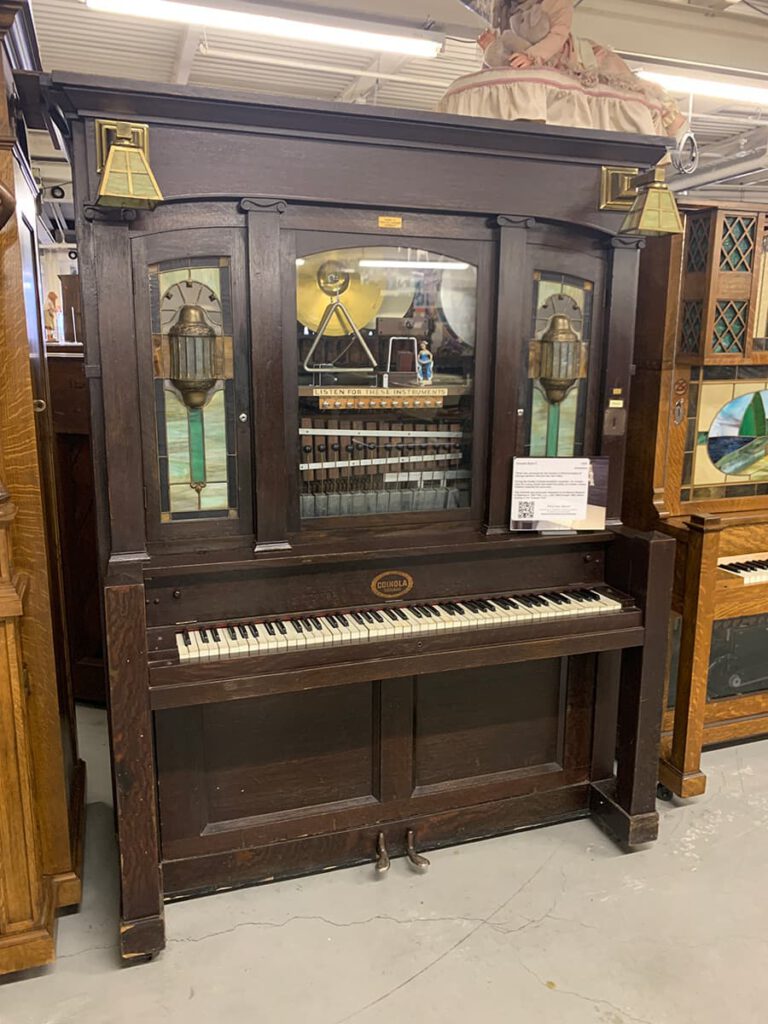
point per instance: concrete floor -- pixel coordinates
(554, 926)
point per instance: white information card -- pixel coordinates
(550, 494)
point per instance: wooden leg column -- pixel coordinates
(681, 771)
(27, 904)
(142, 927)
(641, 565)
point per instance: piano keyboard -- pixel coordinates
(750, 569)
(245, 639)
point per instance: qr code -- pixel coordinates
(525, 510)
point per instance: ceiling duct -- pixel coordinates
(733, 162)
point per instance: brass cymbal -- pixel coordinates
(362, 300)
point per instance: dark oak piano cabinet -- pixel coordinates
(322, 636)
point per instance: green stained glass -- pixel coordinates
(196, 446)
(754, 422)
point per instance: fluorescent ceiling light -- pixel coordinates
(413, 265)
(239, 19)
(753, 95)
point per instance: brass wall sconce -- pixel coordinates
(122, 156)
(649, 206)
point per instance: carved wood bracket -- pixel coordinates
(249, 205)
(507, 221)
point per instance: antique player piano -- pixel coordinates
(699, 450)
(310, 374)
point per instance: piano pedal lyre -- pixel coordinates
(418, 863)
(382, 857)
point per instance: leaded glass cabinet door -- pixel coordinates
(389, 341)
(194, 366)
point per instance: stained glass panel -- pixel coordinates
(191, 311)
(729, 409)
(559, 295)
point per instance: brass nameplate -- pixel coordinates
(391, 222)
(392, 584)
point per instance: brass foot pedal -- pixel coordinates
(382, 857)
(418, 862)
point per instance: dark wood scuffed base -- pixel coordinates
(627, 829)
(141, 940)
(197, 876)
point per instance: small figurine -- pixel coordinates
(425, 365)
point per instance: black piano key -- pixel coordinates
(316, 624)
(186, 638)
(390, 614)
(270, 629)
(377, 617)
(333, 622)
(358, 618)
(447, 608)
(344, 621)
(231, 633)
(400, 614)
(281, 628)
(242, 631)
(253, 631)
(216, 635)
(415, 611)
(204, 636)
(297, 626)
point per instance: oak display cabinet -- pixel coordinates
(698, 438)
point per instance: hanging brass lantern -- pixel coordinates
(655, 210)
(558, 359)
(192, 344)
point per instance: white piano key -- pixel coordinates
(184, 647)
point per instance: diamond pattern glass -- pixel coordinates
(690, 338)
(737, 252)
(730, 327)
(697, 244)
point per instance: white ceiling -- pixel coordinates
(75, 38)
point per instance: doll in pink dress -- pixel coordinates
(537, 34)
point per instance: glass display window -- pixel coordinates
(386, 338)
(737, 664)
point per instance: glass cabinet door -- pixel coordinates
(193, 351)
(386, 338)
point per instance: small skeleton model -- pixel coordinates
(425, 365)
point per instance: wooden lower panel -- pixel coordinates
(358, 846)
(485, 721)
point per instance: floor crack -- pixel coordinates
(451, 949)
(330, 923)
(586, 999)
